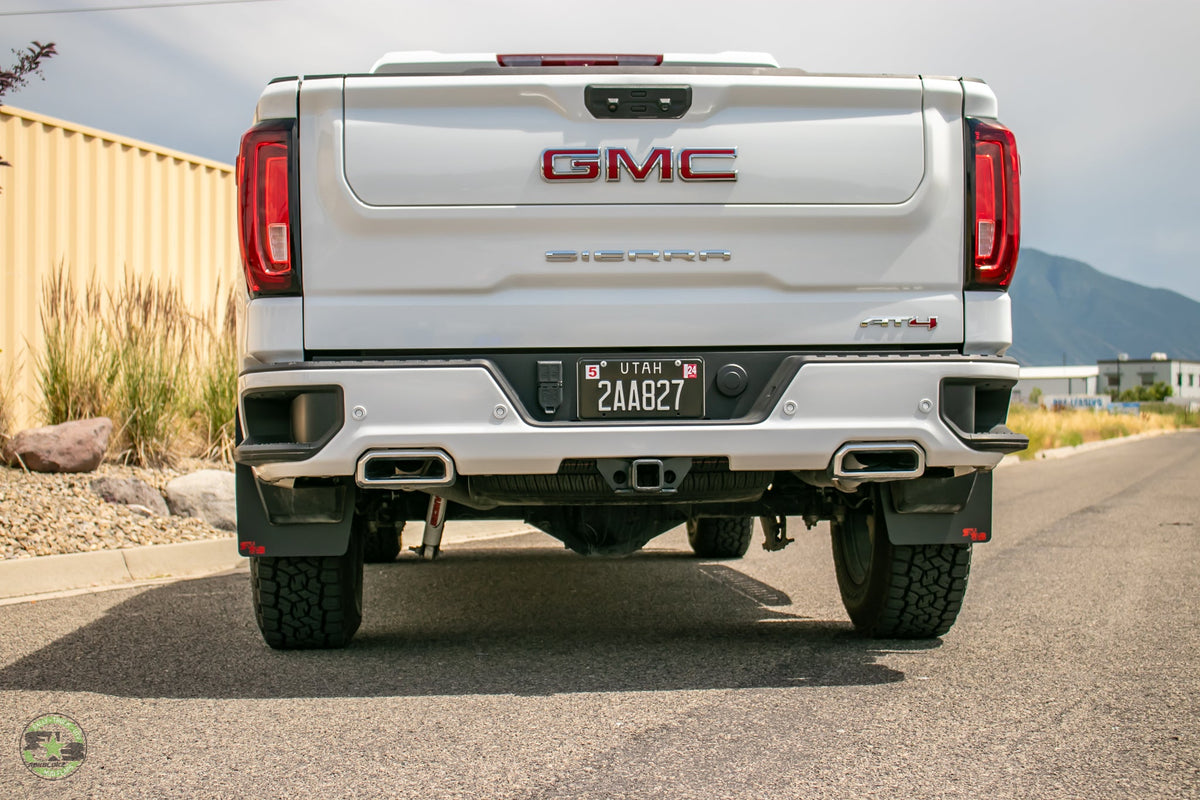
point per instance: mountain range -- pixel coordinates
(1065, 311)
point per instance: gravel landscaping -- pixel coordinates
(48, 514)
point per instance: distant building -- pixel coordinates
(1057, 381)
(1120, 374)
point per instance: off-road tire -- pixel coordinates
(720, 537)
(382, 545)
(308, 602)
(896, 591)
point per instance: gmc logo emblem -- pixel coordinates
(690, 164)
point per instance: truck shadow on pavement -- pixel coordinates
(528, 622)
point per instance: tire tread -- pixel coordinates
(908, 591)
(720, 537)
(925, 592)
(308, 602)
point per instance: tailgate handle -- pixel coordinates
(637, 102)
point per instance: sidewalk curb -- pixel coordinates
(44, 574)
(41, 575)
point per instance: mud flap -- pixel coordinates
(257, 536)
(973, 523)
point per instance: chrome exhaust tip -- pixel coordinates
(405, 469)
(879, 461)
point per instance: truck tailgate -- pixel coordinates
(427, 220)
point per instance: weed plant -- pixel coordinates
(6, 402)
(76, 370)
(138, 355)
(149, 335)
(215, 400)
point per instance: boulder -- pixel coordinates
(76, 446)
(207, 495)
(139, 496)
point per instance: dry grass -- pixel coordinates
(6, 401)
(149, 331)
(137, 355)
(214, 400)
(77, 368)
(1049, 429)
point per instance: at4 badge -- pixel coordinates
(900, 322)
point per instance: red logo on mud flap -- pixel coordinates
(691, 370)
(592, 372)
(975, 535)
(251, 549)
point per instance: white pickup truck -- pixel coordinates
(614, 294)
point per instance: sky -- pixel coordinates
(1104, 97)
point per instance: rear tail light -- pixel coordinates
(995, 171)
(578, 60)
(264, 208)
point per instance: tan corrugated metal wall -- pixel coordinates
(101, 204)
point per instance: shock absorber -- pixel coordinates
(435, 521)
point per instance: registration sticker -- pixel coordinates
(592, 372)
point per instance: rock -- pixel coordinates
(207, 495)
(70, 447)
(139, 496)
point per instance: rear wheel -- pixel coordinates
(720, 537)
(309, 602)
(896, 591)
(381, 540)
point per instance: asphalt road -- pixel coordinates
(513, 669)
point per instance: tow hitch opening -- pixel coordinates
(648, 475)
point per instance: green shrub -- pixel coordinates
(1142, 394)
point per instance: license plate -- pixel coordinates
(641, 388)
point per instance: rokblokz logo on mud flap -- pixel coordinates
(53, 746)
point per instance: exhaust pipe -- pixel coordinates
(885, 461)
(405, 469)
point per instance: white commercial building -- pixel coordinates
(1127, 373)
(1057, 381)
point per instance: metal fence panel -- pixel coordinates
(101, 204)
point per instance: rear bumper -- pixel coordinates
(466, 410)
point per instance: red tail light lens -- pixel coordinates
(264, 208)
(582, 60)
(996, 231)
